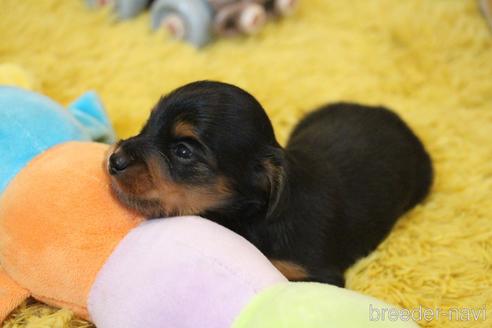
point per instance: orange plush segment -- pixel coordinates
(11, 295)
(59, 223)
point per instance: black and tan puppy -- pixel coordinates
(330, 197)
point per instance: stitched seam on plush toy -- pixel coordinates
(32, 294)
(248, 283)
(63, 303)
(15, 281)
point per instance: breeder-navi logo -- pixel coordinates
(427, 314)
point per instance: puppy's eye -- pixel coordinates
(182, 151)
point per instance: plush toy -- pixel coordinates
(191, 272)
(197, 21)
(58, 224)
(30, 123)
(66, 241)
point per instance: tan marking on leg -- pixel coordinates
(290, 270)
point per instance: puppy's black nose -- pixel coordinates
(118, 162)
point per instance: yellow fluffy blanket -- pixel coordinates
(429, 60)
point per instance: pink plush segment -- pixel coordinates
(179, 272)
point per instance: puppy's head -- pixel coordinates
(208, 147)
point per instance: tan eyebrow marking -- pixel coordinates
(184, 129)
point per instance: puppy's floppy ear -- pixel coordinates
(273, 177)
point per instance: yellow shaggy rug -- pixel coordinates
(429, 60)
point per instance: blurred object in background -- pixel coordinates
(486, 6)
(198, 21)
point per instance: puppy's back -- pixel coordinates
(381, 167)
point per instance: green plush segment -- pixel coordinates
(313, 305)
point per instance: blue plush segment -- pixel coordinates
(31, 123)
(89, 111)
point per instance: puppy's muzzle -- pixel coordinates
(119, 162)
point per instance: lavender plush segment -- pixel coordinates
(179, 272)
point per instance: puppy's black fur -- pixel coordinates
(351, 171)
(330, 197)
